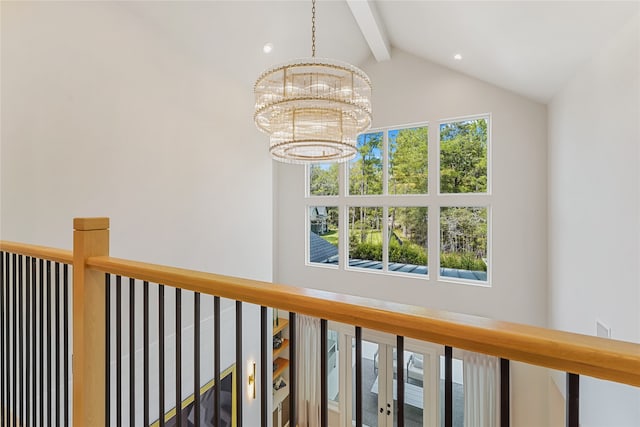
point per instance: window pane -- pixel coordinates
(463, 156)
(323, 179)
(365, 170)
(463, 243)
(408, 161)
(414, 389)
(458, 391)
(370, 382)
(323, 236)
(365, 237)
(333, 368)
(408, 240)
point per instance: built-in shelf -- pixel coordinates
(282, 323)
(281, 365)
(277, 351)
(280, 372)
(279, 395)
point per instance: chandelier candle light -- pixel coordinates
(313, 109)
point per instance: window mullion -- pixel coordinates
(385, 238)
(385, 207)
(433, 247)
(434, 159)
(385, 162)
(434, 239)
(343, 250)
(343, 219)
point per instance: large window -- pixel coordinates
(383, 212)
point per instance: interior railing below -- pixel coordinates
(98, 284)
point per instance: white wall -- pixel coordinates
(594, 211)
(410, 90)
(101, 116)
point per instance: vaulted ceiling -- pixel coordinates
(529, 47)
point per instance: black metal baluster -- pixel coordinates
(7, 347)
(505, 399)
(41, 348)
(264, 414)
(145, 327)
(118, 350)
(400, 378)
(3, 373)
(20, 415)
(196, 358)
(161, 351)
(14, 373)
(179, 357)
(7, 341)
(448, 386)
(49, 384)
(56, 316)
(65, 297)
(132, 354)
(216, 362)
(293, 370)
(358, 376)
(6, 314)
(27, 341)
(107, 358)
(6, 336)
(240, 360)
(324, 403)
(34, 338)
(573, 400)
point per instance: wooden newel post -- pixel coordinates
(90, 238)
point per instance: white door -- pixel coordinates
(379, 382)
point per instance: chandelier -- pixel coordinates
(313, 109)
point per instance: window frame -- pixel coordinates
(433, 200)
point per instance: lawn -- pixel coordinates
(372, 236)
(331, 237)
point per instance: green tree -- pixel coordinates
(365, 225)
(408, 161)
(323, 179)
(463, 157)
(412, 223)
(365, 177)
(365, 172)
(463, 237)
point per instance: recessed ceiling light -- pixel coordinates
(267, 48)
(457, 57)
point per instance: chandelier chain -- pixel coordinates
(313, 28)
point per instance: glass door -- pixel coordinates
(375, 403)
(379, 384)
(415, 368)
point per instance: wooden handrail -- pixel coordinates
(607, 359)
(43, 252)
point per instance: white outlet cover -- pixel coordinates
(602, 330)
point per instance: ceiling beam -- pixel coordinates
(372, 28)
